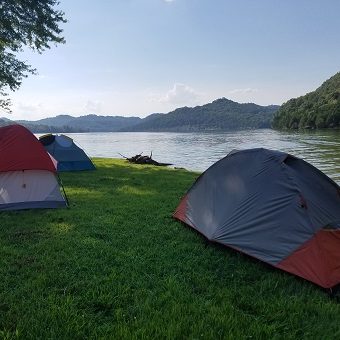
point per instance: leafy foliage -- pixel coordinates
(30, 23)
(222, 114)
(318, 109)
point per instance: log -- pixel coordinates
(139, 159)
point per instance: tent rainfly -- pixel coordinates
(272, 206)
(27, 172)
(70, 157)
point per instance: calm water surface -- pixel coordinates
(197, 151)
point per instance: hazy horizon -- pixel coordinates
(10, 116)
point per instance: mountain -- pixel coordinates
(35, 128)
(222, 114)
(317, 109)
(61, 120)
(89, 123)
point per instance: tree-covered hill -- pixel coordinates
(60, 120)
(67, 124)
(317, 109)
(221, 114)
(39, 128)
(88, 123)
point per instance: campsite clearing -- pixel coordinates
(117, 265)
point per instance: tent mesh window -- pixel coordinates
(47, 139)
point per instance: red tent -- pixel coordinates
(27, 172)
(20, 150)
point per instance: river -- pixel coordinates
(197, 151)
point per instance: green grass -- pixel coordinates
(116, 265)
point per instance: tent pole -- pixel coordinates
(64, 192)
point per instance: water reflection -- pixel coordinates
(197, 151)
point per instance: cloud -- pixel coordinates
(28, 107)
(28, 110)
(243, 91)
(180, 94)
(93, 106)
(169, 1)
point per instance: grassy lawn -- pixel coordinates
(116, 265)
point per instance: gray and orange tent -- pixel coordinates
(272, 206)
(27, 172)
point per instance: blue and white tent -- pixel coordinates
(70, 157)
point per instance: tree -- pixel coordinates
(317, 109)
(25, 23)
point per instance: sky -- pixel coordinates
(137, 57)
